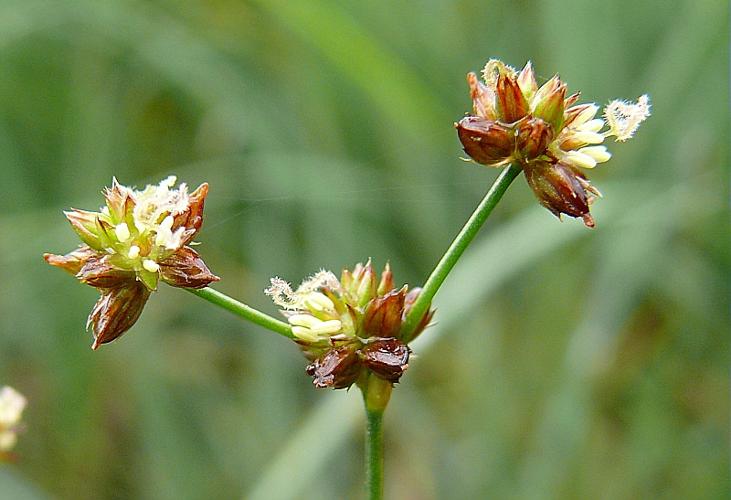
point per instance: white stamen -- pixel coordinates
(122, 232)
(176, 239)
(305, 320)
(314, 324)
(588, 137)
(12, 404)
(587, 114)
(165, 237)
(579, 159)
(167, 222)
(599, 153)
(592, 125)
(309, 328)
(319, 302)
(328, 327)
(304, 334)
(154, 201)
(150, 265)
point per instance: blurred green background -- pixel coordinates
(566, 363)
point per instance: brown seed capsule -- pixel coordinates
(186, 269)
(533, 137)
(100, 273)
(383, 314)
(116, 311)
(487, 142)
(561, 189)
(338, 368)
(386, 358)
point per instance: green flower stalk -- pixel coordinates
(137, 239)
(545, 132)
(349, 328)
(12, 404)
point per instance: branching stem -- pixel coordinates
(241, 309)
(456, 249)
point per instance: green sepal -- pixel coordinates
(148, 279)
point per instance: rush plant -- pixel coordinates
(354, 330)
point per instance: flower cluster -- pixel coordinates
(545, 132)
(350, 327)
(137, 239)
(12, 404)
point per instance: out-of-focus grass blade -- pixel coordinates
(322, 433)
(396, 90)
(14, 486)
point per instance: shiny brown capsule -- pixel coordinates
(562, 189)
(338, 368)
(487, 142)
(386, 358)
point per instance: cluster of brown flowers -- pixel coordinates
(137, 239)
(545, 132)
(350, 327)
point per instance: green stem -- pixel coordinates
(456, 249)
(374, 454)
(241, 309)
(376, 395)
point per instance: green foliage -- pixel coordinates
(566, 362)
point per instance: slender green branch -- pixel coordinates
(241, 309)
(456, 249)
(374, 454)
